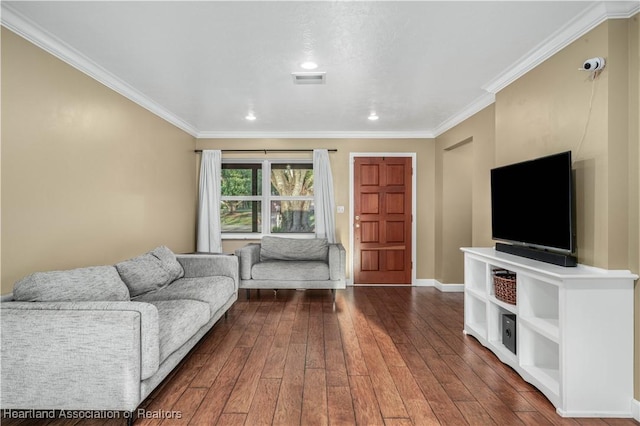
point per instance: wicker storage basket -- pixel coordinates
(504, 283)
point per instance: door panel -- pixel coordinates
(395, 232)
(369, 232)
(382, 233)
(370, 203)
(395, 203)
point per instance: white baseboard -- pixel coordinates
(428, 282)
(445, 288)
(425, 282)
(450, 288)
(635, 409)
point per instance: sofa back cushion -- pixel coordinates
(95, 283)
(150, 271)
(277, 248)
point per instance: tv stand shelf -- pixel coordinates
(574, 329)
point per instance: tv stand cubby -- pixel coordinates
(574, 329)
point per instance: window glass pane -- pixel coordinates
(241, 216)
(292, 179)
(292, 216)
(241, 179)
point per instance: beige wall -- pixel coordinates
(464, 157)
(88, 177)
(547, 111)
(634, 171)
(424, 149)
(634, 145)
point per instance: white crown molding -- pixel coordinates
(473, 108)
(316, 135)
(621, 9)
(583, 23)
(576, 28)
(15, 22)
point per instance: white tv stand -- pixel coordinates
(574, 329)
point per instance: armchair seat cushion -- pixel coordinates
(290, 270)
(213, 290)
(179, 320)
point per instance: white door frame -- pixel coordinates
(352, 158)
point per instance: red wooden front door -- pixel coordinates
(382, 234)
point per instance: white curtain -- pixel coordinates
(324, 200)
(209, 229)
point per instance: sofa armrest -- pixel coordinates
(209, 265)
(248, 255)
(77, 355)
(337, 262)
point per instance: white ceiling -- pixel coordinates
(422, 66)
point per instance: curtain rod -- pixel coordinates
(268, 150)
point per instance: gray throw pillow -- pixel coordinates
(169, 262)
(276, 248)
(150, 271)
(94, 283)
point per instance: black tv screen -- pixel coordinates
(532, 203)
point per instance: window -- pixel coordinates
(272, 192)
(241, 201)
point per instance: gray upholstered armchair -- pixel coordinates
(279, 263)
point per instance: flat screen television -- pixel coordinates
(533, 206)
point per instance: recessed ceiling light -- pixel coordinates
(309, 65)
(250, 117)
(373, 116)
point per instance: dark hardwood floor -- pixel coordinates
(385, 355)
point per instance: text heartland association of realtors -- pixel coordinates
(90, 414)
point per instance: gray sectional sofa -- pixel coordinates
(291, 263)
(103, 337)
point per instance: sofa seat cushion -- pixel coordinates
(150, 271)
(290, 270)
(278, 248)
(215, 291)
(178, 321)
(95, 283)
